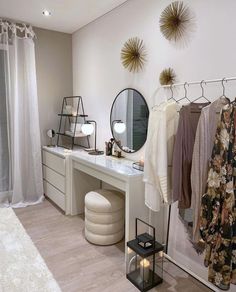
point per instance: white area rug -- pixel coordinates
(22, 269)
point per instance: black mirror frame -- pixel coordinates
(145, 102)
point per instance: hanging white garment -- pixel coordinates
(24, 177)
(162, 127)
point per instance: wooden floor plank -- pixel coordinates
(79, 266)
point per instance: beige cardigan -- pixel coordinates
(202, 150)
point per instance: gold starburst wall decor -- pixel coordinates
(133, 54)
(177, 22)
(167, 77)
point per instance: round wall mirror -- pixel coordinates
(129, 120)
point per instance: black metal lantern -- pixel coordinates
(144, 259)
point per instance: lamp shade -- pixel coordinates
(119, 127)
(87, 128)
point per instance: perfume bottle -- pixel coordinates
(109, 146)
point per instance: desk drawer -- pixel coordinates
(55, 195)
(55, 162)
(54, 178)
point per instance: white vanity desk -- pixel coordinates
(69, 176)
(88, 171)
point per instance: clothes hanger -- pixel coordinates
(172, 93)
(172, 96)
(185, 93)
(223, 96)
(202, 96)
(154, 101)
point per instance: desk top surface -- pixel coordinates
(122, 166)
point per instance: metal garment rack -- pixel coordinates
(209, 81)
(170, 86)
(199, 82)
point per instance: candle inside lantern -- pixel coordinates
(129, 250)
(144, 269)
(141, 161)
(161, 253)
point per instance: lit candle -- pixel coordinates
(129, 250)
(161, 254)
(144, 269)
(141, 161)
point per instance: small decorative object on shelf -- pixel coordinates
(141, 161)
(113, 148)
(144, 259)
(116, 148)
(108, 148)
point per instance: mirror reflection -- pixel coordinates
(129, 120)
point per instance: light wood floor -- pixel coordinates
(79, 266)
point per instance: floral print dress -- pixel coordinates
(218, 211)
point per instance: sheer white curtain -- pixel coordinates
(20, 153)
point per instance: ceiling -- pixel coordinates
(67, 15)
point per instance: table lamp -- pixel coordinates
(88, 128)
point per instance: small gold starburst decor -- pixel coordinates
(167, 77)
(176, 22)
(133, 54)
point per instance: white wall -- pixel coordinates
(98, 74)
(54, 76)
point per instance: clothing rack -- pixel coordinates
(184, 84)
(170, 86)
(199, 82)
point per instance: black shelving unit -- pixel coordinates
(76, 103)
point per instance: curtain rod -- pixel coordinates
(199, 82)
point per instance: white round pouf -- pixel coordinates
(104, 217)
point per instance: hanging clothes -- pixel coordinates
(202, 150)
(183, 151)
(163, 121)
(218, 213)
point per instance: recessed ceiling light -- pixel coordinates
(47, 13)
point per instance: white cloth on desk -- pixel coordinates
(163, 122)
